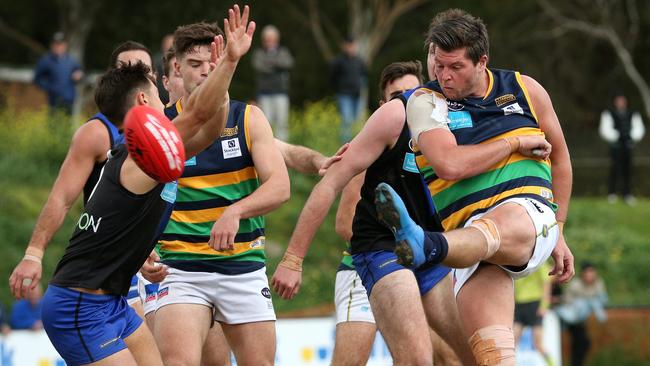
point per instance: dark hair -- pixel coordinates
(167, 57)
(128, 46)
(117, 86)
(396, 70)
(586, 265)
(454, 29)
(187, 37)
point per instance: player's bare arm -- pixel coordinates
(347, 205)
(379, 133)
(561, 172)
(88, 146)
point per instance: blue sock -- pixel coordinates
(435, 247)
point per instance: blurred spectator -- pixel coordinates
(583, 296)
(532, 299)
(348, 76)
(272, 63)
(621, 127)
(159, 59)
(26, 313)
(56, 73)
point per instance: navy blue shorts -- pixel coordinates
(372, 266)
(86, 328)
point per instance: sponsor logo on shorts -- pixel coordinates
(537, 207)
(387, 263)
(266, 292)
(109, 342)
(150, 297)
(365, 308)
(163, 292)
(504, 99)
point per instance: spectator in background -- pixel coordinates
(583, 296)
(272, 63)
(348, 75)
(532, 299)
(159, 59)
(26, 313)
(56, 73)
(621, 127)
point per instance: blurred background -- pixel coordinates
(584, 52)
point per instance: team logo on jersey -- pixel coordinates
(88, 221)
(257, 243)
(168, 194)
(230, 131)
(230, 148)
(455, 106)
(546, 193)
(512, 109)
(266, 292)
(504, 99)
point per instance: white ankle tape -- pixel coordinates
(493, 345)
(490, 231)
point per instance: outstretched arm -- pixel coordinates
(206, 112)
(380, 132)
(561, 172)
(305, 160)
(89, 144)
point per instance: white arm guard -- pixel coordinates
(426, 110)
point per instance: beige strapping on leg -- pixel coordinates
(493, 345)
(489, 229)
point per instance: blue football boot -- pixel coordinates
(409, 236)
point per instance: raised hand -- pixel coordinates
(217, 51)
(239, 33)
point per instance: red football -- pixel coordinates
(154, 143)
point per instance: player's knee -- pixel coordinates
(491, 233)
(493, 345)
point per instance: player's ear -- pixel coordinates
(141, 98)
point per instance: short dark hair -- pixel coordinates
(454, 28)
(167, 57)
(128, 46)
(187, 37)
(118, 85)
(396, 70)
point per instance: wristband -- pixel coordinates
(291, 261)
(33, 258)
